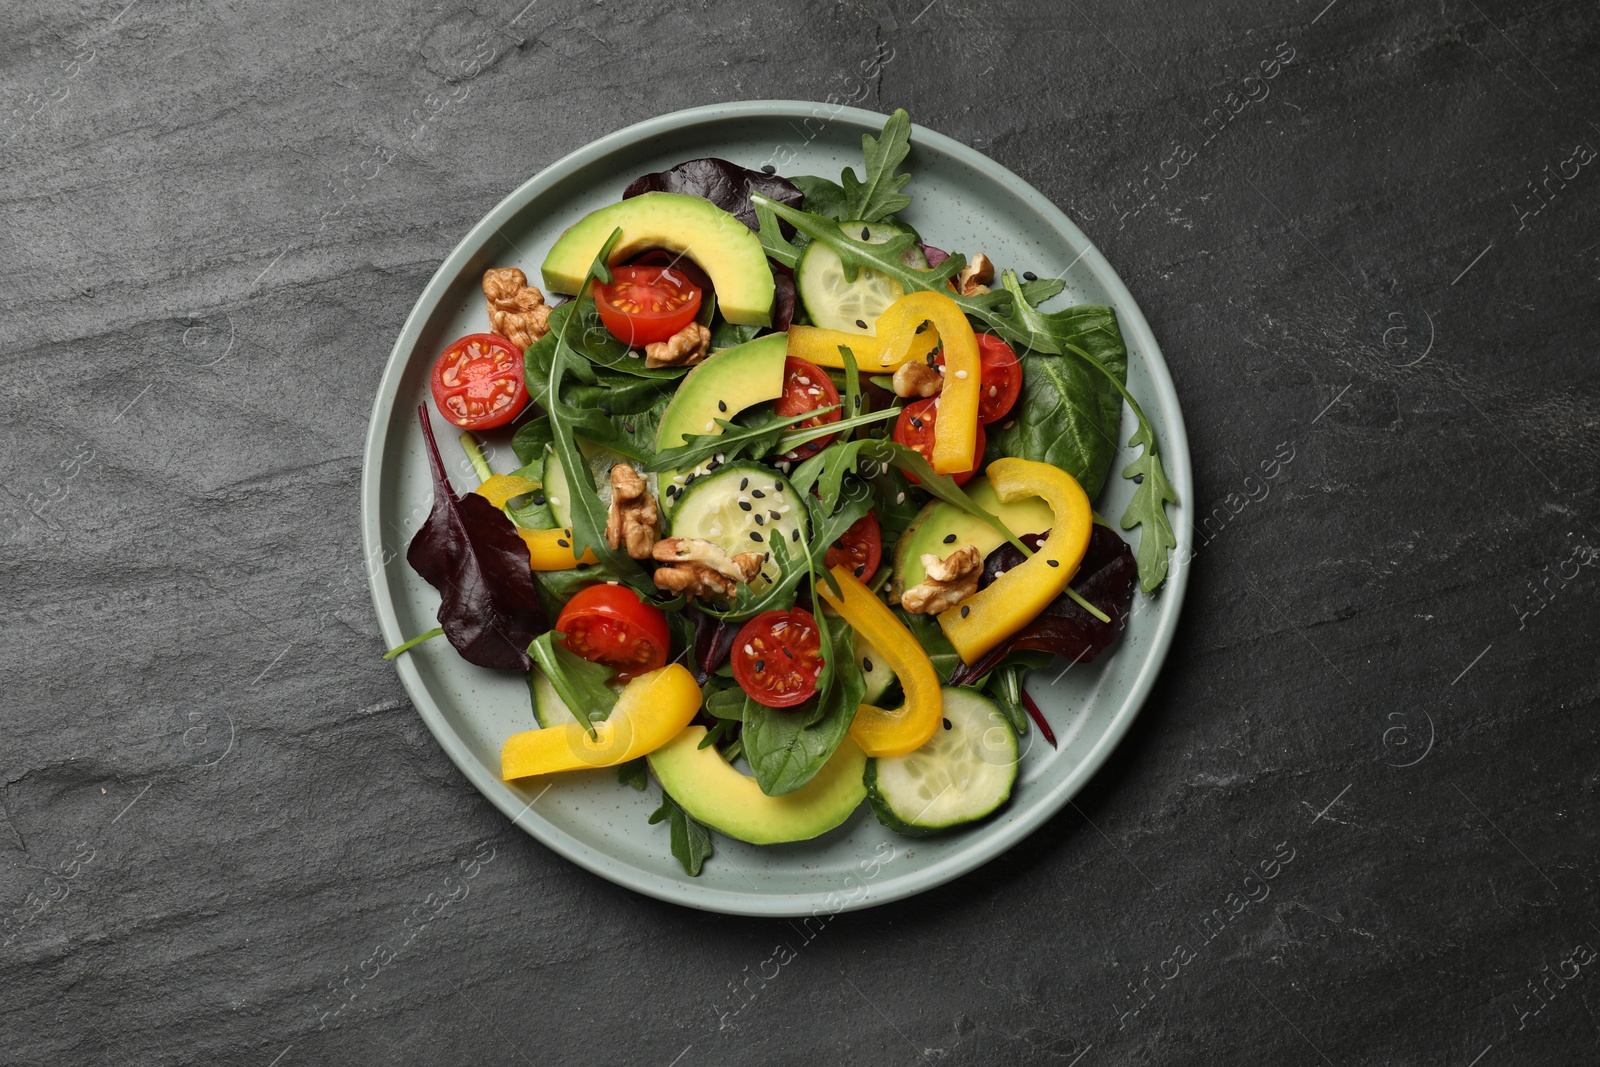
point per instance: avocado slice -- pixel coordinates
(719, 388)
(709, 788)
(942, 528)
(725, 248)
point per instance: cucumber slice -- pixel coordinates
(880, 678)
(601, 460)
(964, 773)
(837, 304)
(740, 507)
(548, 707)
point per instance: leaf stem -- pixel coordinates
(413, 643)
(469, 445)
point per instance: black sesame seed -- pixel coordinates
(860, 569)
(754, 536)
(916, 423)
(858, 401)
(965, 610)
(722, 405)
(949, 539)
(538, 499)
(838, 544)
(757, 493)
(946, 722)
(865, 233)
(605, 409)
(744, 483)
(786, 652)
(866, 664)
(760, 519)
(796, 536)
(761, 665)
(1054, 562)
(861, 323)
(563, 542)
(775, 515)
(1028, 275)
(744, 505)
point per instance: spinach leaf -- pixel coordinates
(1067, 415)
(691, 842)
(822, 197)
(469, 551)
(879, 196)
(725, 334)
(786, 747)
(580, 684)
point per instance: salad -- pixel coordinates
(799, 501)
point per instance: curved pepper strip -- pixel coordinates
(551, 550)
(821, 346)
(1012, 600)
(498, 489)
(879, 731)
(955, 434)
(652, 710)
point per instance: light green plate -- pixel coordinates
(962, 202)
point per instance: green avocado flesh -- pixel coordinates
(713, 792)
(725, 248)
(941, 529)
(720, 388)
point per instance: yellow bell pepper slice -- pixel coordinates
(955, 434)
(651, 711)
(879, 731)
(1012, 600)
(499, 488)
(820, 346)
(551, 550)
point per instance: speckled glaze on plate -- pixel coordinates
(961, 201)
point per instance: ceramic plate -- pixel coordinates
(961, 201)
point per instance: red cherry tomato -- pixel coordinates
(643, 305)
(860, 548)
(777, 656)
(1000, 377)
(609, 624)
(478, 382)
(807, 387)
(914, 429)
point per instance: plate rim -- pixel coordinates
(982, 849)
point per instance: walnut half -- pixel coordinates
(634, 516)
(702, 569)
(975, 277)
(517, 310)
(683, 349)
(916, 378)
(947, 582)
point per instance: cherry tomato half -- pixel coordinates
(807, 387)
(609, 624)
(1000, 377)
(914, 429)
(478, 382)
(860, 548)
(777, 656)
(643, 305)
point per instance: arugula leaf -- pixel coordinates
(757, 436)
(852, 382)
(786, 747)
(691, 842)
(580, 684)
(825, 529)
(1148, 509)
(636, 772)
(879, 195)
(777, 247)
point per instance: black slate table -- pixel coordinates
(1373, 270)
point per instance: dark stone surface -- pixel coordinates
(217, 216)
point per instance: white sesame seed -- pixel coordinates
(784, 510)
(748, 650)
(961, 374)
(555, 501)
(722, 457)
(883, 468)
(711, 424)
(900, 498)
(803, 380)
(994, 390)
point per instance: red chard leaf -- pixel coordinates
(470, 552)
(725, 184)
(1106, 579)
